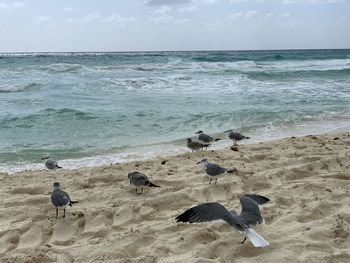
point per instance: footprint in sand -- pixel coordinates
(32, 237)
(64, 232)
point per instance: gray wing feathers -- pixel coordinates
(60, 198)
(236, 136)
(205, 138)
(250, 208)
(204, 213)
(52, 164)
(138, 179)
(214, 169)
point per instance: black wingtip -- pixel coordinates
(247, 137)
(217, 140)
(261, 200)
(184, 217)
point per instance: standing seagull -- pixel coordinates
(60, 198)
(235, 136)
(250, 215)
(194, 146)
(51, 164)
(213, 170)
(140, 180)
(205, 139)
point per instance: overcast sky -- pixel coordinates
(128, 25)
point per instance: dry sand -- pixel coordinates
(308, 220)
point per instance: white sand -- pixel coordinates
(308, 220)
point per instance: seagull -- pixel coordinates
(250, 215)
(60, 198)
(213, 170)
(51, 164)
(194, 146)
(140, 180)
(235, 136)
(205, 139)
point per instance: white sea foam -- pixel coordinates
(263, 134)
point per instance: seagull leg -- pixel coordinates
(141, 190)
(245, 238)
(210, 181)
(136, 190)
(56, 212)
(64, 212)
(216, 179)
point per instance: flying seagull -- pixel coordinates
(140, 180)
(60, 198)
(235, 136)
(51, 164)
(205, 139)
(250, 215)
(214, 171)
(194, 146)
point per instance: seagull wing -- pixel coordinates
(250, 213)
(236, 136)
(208, 212)
(214, 169)
(205, 138)
(60, 198)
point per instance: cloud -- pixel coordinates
(163, 9)
(249, 14)
(70, 9)
(119, 20)
(294, 23)
(162, 19)
(88, 18)
(97, 17)
(13, 5)
(190, 8)
(285, 15)
(42, 19)
(208, 1)
(287, 1)
(17, 4)
(166, 2)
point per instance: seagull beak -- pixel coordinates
(199, 162)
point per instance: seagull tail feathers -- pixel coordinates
(256, 239)
(58, 167)
(217, 139)
(234, 170)
(247, 137)
(152, 185)
(71, 203)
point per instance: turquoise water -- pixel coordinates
(88, 109)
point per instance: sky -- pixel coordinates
(152, 25)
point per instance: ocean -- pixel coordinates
(89, 109)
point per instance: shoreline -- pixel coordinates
(307, 179)
(157, 150)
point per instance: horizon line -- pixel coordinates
(199, 50)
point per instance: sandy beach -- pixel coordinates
(308, 219)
